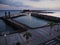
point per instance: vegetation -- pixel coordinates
(26, 11)
(27, 36)
(58, 26)
(51, 24)
(18, 43)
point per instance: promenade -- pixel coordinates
(38, 36)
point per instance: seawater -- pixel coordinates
(12, 12)
(3, 26)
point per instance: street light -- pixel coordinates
(5, 38)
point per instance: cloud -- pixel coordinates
(44, 4)
(35, 0)
(8, 7)
(9, 2)
(31, 4)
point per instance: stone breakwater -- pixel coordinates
(51, 18)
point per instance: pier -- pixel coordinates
(47, 17)
(13, 16)
(15, 25)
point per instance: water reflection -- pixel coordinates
(4, 27)
(33, 22)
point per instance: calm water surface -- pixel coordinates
(31, 21)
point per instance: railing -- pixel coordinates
(55, 31)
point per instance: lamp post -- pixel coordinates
(5, 38)
(5, 14)
(9, 14)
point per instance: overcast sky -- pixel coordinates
(29, 4)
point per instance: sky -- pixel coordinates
(29, 4)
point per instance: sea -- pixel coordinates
(4, 27)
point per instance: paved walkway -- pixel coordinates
(38, 36)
